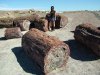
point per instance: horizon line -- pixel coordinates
(23, 9)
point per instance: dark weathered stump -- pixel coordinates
(47, 51)
(23, 24)
(58, 22)
(11, 33)
(89, 35)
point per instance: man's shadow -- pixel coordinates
(79, 51)
(2, 38)
(25, 62)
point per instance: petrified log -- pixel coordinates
(36, 16)
(23, 24)
(63, 21)
(89, 35)
(11, 33)
(58, 21)
(35, 21)
(47, 16)
(47, 51)
(41, 24)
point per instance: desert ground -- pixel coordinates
(82, 61)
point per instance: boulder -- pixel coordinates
(23, 24)
(11, 33)
(47, 51)
(89, 35)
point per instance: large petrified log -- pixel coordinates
(88, 35)
(61, 20)
(34, 21)
(47, 51)
(23, 24)
(11, 33)
(41, 24)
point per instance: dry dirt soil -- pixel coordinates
(82, 61)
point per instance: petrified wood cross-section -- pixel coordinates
(47, 51)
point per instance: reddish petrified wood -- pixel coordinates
(23, 24)
(58, 21)
(48, 52)
(41, 24)
(11, 33)
(88, 35)
(63, 21)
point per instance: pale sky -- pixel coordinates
(60, 5)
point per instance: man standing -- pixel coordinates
(52, 19)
